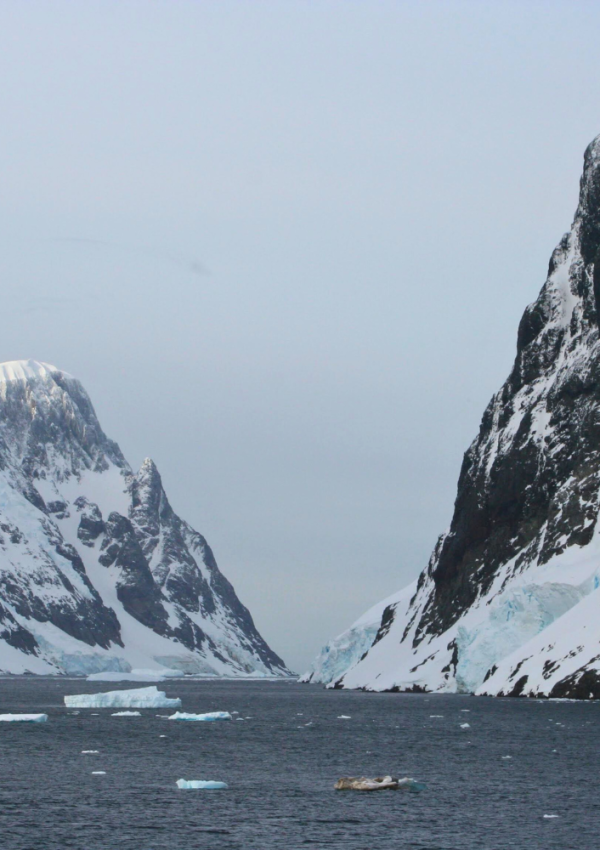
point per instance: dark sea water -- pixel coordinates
(281, 771)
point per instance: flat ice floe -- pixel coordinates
(25, 718)
(203, 784)
(212, 715)
(126, 714)
(134, 698)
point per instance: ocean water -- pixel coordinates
(281, 762)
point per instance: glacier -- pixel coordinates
(133, 698)
(508, 603)
(98, 574)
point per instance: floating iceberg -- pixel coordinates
(212, 715)
(134, 698)
(207, 785)
(344, 717)
(379, 783)
(25, 718)
(126, 714)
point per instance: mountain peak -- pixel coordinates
(27, 370)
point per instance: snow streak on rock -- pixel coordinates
(97, 572)
(509, 602)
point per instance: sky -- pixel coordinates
(286, 246)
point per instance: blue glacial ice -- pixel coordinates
(26, 718)
(203, 784)
(134, 698)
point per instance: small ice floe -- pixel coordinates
(89, 752)
(506, 757)
(212, 715)
(98, 773)
(240, 718)
(465, 725)
(465, 710)
(431, 716)
(234, 712)
(133, 698)
(126, 714)
(23, 718)
(344, 717)
(378, 783)
(551, 816)
(73, 713)
(201, 784)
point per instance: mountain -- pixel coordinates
(97, 572)
(509, 602)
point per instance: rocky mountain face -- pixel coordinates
(97, 572)
(509, 602)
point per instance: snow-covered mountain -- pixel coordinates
(510, 600)
(97, 572)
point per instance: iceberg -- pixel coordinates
(204, 784)
(135, 698)
(126, 714)
(212, 715)
(25, 718)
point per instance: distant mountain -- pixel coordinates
(509, 603)
(97, 572)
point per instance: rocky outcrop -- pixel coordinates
(508, 602)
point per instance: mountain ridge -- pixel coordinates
(97, 572)
(507, 602)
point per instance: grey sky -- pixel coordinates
(286, 246)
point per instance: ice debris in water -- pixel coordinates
(26, 718)
(465, 725)
(89, 752)
(133, 698)
(435, 715)
(126, 714)
(506, 757)
(212, 715)
(550, 816)
(98, 773)
(344, 717)
(203, 784)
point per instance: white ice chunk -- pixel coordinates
(126, 714)
(98, 773)
(344, 717)
(465, 725)
(205, 784)
(134, 698)
(89, 752)
(26, 718)
(212, 715)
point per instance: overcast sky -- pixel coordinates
(285, 246)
